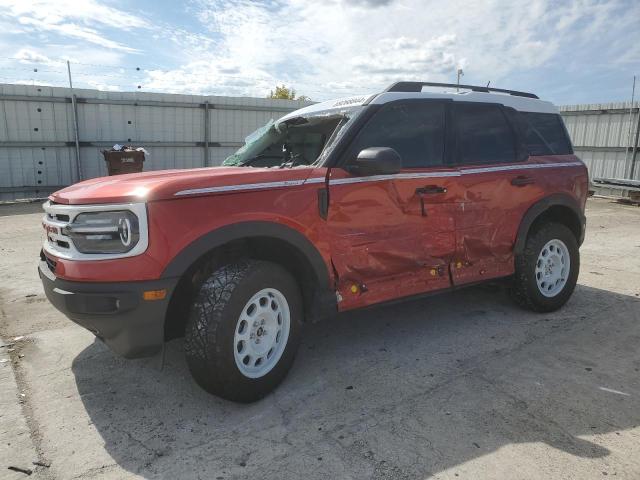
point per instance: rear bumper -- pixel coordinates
(114, 312)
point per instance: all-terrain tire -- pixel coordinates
(524, 289)
(213, 322)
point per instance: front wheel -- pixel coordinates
(244, 329)
(547, 269)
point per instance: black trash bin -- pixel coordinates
(126, 160)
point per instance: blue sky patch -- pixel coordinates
(573, 51)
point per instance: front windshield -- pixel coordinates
(301, 140)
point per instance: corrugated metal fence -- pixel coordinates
(605, 136)
(38, 148)
(37, 132)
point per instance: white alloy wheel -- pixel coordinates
(261, 333)
(552, 268)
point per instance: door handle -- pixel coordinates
(428, 190)
(521, 181)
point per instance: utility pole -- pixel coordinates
(74, 107)
(206, 134)
(460, 74)
(629, 146)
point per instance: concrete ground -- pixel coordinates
(463, 385)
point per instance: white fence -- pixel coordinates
(39, 152)
(38, 149)
(605, 136)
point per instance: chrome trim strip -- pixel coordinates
(518, 167)
(92, 229)
(314, 180)
(396, 176)
(468, 171)
(235, 188)
(374, 178)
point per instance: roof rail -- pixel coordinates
(417, 87)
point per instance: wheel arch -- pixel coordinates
(561, 208)
(259, 240)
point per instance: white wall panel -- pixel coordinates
(28, 168)
(600, 132)
(601, 135)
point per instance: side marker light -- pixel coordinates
(155, 294)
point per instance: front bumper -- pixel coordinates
(114, 312)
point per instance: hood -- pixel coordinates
(165, 184)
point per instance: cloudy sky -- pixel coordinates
(567, 51)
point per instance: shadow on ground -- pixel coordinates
(402, 391)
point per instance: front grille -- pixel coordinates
(55, 223)
(50, 263)
(60, 217)
(58, 241)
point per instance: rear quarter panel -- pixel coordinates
(572, 181)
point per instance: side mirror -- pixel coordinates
(376, 161)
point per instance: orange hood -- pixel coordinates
(165, 184)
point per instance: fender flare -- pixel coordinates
(243, 230)
(541, 206)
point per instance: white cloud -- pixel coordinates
(24, 81)
(334, 47)
(26, 55)
(75, 31)
(214, 76)
(58, 12)
(409, 57)
(73, 18)
(345, 46)
(99, 85)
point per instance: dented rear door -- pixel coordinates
(489, 156)
(393, 236)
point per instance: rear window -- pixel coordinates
(483, 135)
(545, 134)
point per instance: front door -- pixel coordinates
(394, 235)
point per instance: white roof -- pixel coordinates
(523, 104)
(328, 106)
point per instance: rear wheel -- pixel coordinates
(547, 270)
(244, 329)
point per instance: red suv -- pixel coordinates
(337, 206)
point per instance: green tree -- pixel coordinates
(284, 93)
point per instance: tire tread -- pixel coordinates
(523, 289)
(210, 322)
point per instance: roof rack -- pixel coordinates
(417, 87)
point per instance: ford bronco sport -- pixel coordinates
(337, 206)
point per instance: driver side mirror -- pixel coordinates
(375, 161)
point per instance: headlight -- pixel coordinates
(104, 232)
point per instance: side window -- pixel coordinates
(415, 130)
(483, 135)
(545, 134)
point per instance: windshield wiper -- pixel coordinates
(292, 162)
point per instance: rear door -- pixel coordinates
(489, 155)
(394, 235)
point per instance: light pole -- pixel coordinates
(74, 108)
